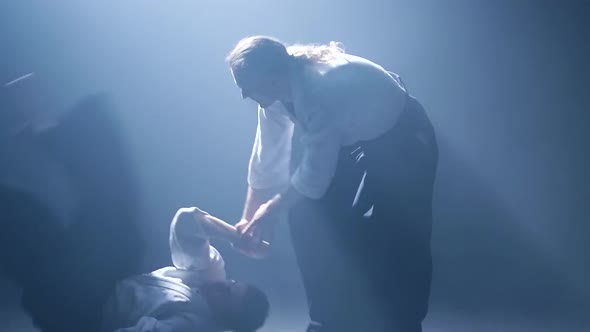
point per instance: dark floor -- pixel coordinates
(288, 312)
(290, 317)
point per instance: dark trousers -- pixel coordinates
(370, 269)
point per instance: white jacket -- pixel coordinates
(151, 303)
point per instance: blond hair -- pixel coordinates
(315, 52)
(261, 55)
(258, 55)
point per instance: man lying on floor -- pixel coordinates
(193, 295)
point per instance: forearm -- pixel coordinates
(285, 200)
(255, 198)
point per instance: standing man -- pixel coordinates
(359, 201)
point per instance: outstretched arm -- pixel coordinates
(268, 168)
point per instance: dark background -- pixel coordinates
(504, 82)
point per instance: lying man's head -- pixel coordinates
(237, 306)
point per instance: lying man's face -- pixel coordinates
(236, 305)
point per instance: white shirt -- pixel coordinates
(338, 103)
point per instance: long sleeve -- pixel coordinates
(193, 256)
(271, 154)
(189, 245)
(322, 142)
